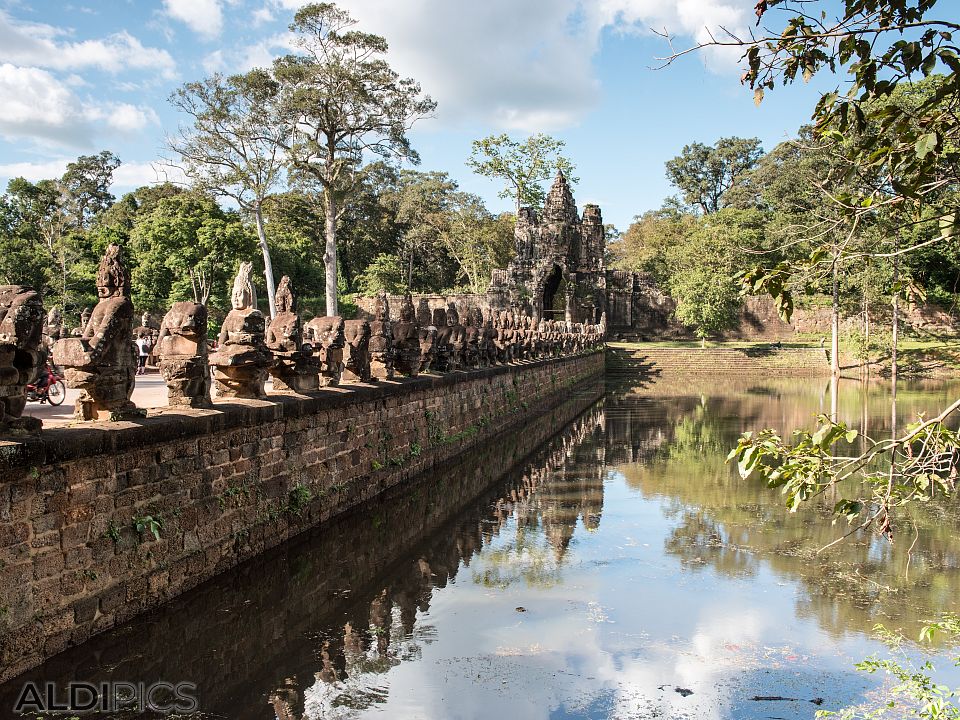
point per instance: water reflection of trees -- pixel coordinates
(520, 534)
(672, 448)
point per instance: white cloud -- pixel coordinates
(521, 66)
(258, 55)
(214, 62)
(261, 16)
(694, 19)
(40, 45)
(37, 105)
(204, 17)
(127, 176)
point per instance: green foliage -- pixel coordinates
(186, 247)
(298, 499)
(113, 532)
(386, 272)
(702, 269)
(916, 467)
(143, 524)
(343, 102)
(704, 174)
(707, 302)
(524, 166)
(916, 693)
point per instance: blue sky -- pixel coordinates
(79, 77)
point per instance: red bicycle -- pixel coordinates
(49, 387)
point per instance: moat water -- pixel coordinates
(621, 570)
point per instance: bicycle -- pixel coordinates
(53, 390)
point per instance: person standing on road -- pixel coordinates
(143, 349)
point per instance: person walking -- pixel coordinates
(143, 349)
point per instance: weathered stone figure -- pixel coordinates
(21, 353)
(242, 360)
(326, 335)
(381, 340)
(406, 340)
(427, 333)
(490, 335)
(458, 337)
(356, 356)
(442, 350)
(472, 336)
(84, 321)
(53, 328)
(182, 352)
(148, 328)
(102, 362)
(504, 338)
(294, 369)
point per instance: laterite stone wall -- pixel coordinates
(78, 506)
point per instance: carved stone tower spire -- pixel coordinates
(560, 206)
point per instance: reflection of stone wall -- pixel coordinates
(227, 484)
(296, 617)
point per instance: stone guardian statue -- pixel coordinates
(102, 362)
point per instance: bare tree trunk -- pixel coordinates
(330, 251)
(893, 361)
(866, 333)
(896, 338)
(835, 325)
(267, 263)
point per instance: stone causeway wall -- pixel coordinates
(302, 580)
(102, 521)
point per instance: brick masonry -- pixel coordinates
(225, 485)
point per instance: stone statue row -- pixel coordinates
(101, 359)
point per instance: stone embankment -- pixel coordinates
(302, 582)
(643, 363)
(102, 521)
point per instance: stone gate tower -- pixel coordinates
(558, 272)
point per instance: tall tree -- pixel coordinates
(703, 173)
(525, 166)
(234, 144)
(478, 240)
(86, 186)
(185, 247)
(886, 46)
(343, 102)
(424, 202)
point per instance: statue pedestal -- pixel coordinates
(241, 372)
(105, 390)
(188, 380)
(331, 366)
(295, 372)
